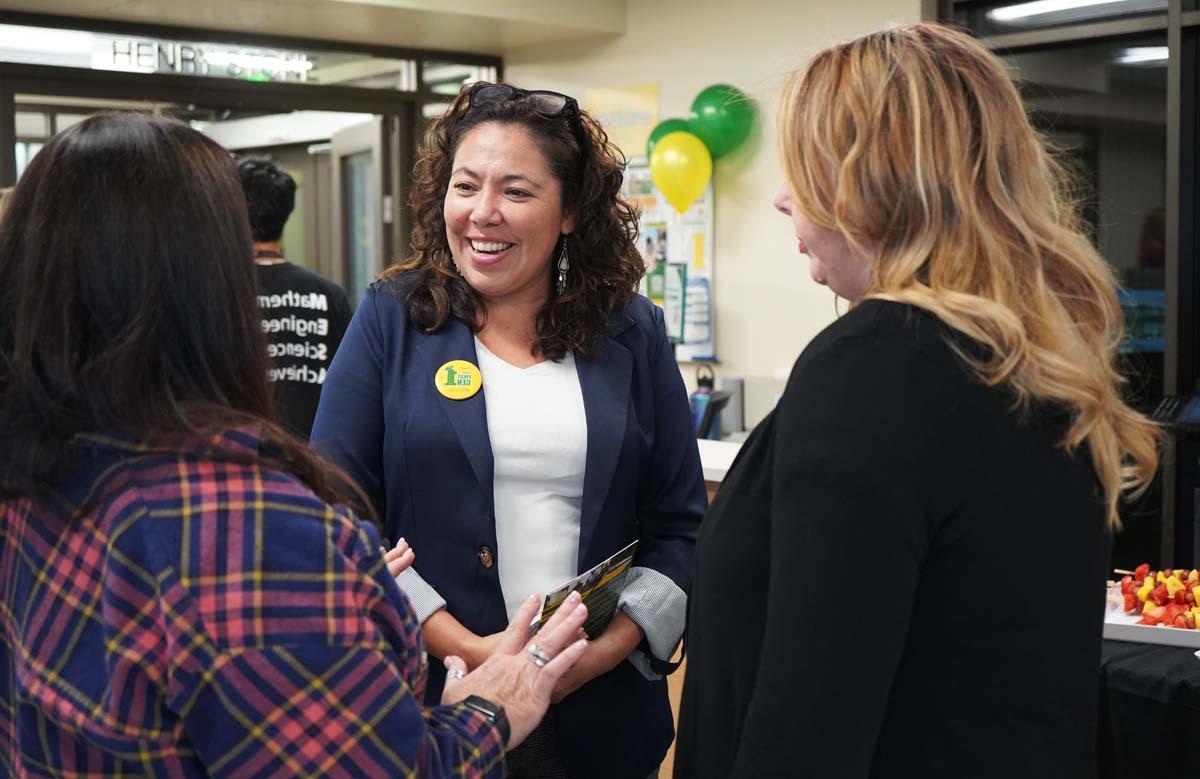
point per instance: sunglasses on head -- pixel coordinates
(548, 104)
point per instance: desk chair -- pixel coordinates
(717, 400)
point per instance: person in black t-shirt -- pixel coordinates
(304, 315)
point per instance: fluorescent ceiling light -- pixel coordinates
(1142, 55)
(1040, 7)
(43, 40)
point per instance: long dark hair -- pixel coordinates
(128, 302)
(605, 264)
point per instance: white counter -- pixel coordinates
(716, 457)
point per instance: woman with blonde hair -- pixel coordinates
(919, 531)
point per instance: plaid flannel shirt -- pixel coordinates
(171, 613)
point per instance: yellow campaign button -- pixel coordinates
(458, 380)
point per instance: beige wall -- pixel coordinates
(482, 26)
(767, 308)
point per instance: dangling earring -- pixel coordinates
(564, 264)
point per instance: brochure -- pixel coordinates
(600, 589)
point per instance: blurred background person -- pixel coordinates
(523, 277)
(184, 592)
(304, 315)
(870, 594)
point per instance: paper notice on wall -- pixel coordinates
(697, 313)
(653, 244)
(674, 298)
(678, 252)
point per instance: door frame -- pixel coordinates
(400, 109)
(372, 137)
(398, 113)
(17, 79)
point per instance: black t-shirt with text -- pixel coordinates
(304, 319)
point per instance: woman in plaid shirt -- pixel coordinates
(182, 592)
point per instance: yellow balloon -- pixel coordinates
(681, 166)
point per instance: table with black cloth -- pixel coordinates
(1149, 711)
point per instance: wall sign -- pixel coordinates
(143, 55)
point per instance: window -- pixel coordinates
(1094, 75)
(1003, 18)
(1104, 107)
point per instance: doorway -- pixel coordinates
(349, 150)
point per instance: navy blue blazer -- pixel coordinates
(426, 462)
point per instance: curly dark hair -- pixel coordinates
(605, 264)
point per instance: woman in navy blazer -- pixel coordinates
(524, 255)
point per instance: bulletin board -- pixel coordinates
(678, 251)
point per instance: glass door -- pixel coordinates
(364, 213)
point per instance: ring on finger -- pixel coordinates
(455, 673)
(537, 655)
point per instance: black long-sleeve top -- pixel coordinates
(899, 577)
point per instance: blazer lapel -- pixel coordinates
(604, 381)
(455, 341)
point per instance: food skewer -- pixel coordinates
(1170, 598)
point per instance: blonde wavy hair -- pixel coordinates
(914, 144)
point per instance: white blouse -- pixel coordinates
(538, 430)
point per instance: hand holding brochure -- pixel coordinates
(600, 589)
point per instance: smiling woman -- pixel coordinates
(504, 216)
(554, 161)
(522, 280)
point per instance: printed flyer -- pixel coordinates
(600, 589)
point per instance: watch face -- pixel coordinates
(493, 712)
(484, 705)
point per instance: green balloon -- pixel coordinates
(665, 127)
(722, 117)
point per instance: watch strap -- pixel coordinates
(494, 713)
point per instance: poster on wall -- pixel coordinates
(627, 114)
(678, 251)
